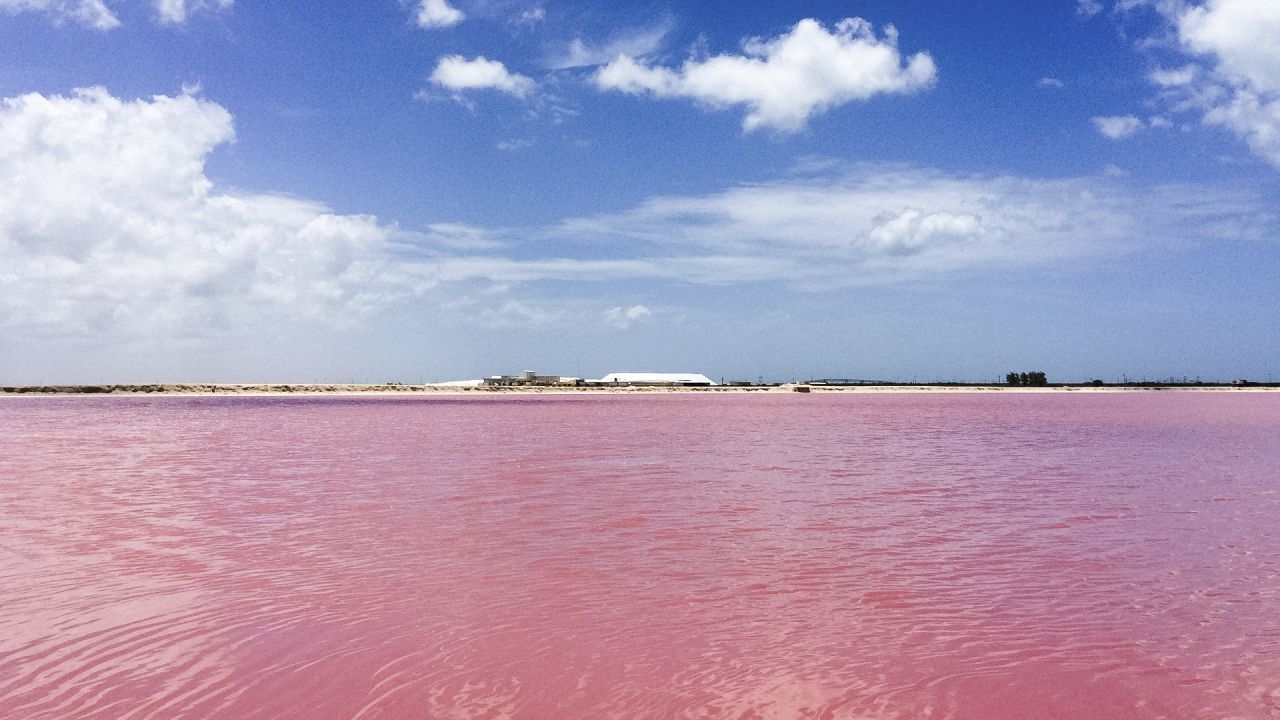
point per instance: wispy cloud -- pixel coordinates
(875, 225)
(1088, 8)
(1119, 127)
(531, 16)
(513, 145)
(461, 237)
(636, 42)
(624, 318)
(175, 12)
(95, 14)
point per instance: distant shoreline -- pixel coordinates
(327, 389)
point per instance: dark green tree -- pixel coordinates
(1029, 379)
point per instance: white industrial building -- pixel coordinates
(654, 379)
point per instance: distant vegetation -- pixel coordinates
(1035, 378)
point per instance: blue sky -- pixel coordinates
(443, 189)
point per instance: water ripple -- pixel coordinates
(835, 557)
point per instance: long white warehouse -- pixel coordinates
(643, 378)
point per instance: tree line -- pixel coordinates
(1034, 378)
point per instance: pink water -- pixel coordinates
(788, 556)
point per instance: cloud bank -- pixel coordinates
(784, 81)
(108, 226)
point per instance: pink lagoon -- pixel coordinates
(969, 556)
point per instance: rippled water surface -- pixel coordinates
(994, 557)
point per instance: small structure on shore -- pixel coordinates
(647, 379)
(529, 378)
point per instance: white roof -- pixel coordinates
(460, 383)
(648, 377)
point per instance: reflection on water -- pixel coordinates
(907, 556)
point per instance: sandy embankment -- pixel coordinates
(287, 389)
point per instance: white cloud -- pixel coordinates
(89, 13)
(624, 318)
(911, 231)
(108, 225)
(1048, 82)
(1118, 127)
(1088, 8)
(459, 236)
(784, 81)
(1255, 118)
(1233, 77)
(1242, 35)
(514, 313)
(95, 14)
(632, 43)
(1242, 40)
(438, 14)
(1178, 77)
(877, 225)
(174, 12)
(532, 16)
(457, 73)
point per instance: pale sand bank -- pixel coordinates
(307, 389)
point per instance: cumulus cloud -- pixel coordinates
(1243, 36)
(1118, 127)
(784, 81)
(108, 225)
(911, 231)
(455, 72)
(1232, 74)
(438, 14)
(1241, 40)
